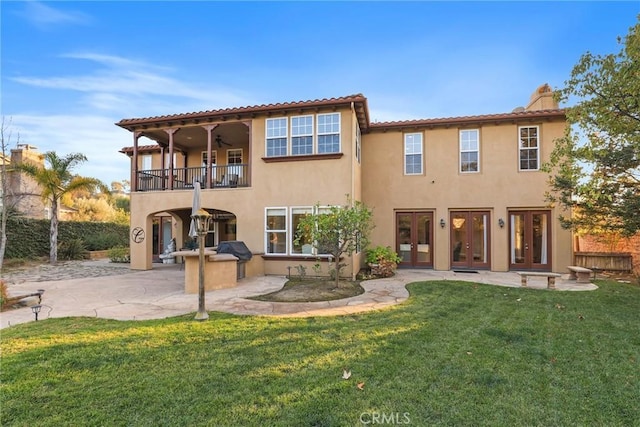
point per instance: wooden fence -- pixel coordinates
(609, 261)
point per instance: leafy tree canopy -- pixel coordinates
(338, 230)
(595, 167)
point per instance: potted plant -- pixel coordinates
(383, 261)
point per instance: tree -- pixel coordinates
(596, 166)
(56, 181)
(337, 230)
(4, 191)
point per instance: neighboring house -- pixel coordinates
(23, 193)
(456, 193)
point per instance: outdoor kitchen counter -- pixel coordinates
(220, 270)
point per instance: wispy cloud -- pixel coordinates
(118, 83)
(44, 16)
(94, 136)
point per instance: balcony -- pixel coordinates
(227, 176)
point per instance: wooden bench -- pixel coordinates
(580, 274)
(551, 277)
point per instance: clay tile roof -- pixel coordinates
(476, 119)
(141, 148)
(248, 111)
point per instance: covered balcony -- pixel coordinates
(217, 155)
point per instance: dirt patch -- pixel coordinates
(312, 290)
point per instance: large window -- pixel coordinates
(282, 237)
(412, 153)
(469, 150)
(301, 135)
(276, 231)
(529, 153)
(145, 160)
(329, 133)
(301, 242)
(277, 137)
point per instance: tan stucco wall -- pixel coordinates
(279, 184)
(498, 187)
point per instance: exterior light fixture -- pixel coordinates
(442, 223)
(36, 309)
(201, 219)
(501, 223)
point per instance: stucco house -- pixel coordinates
(449, 193)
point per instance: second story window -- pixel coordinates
(277, 137)
(329, 133)
(529, 153)
(145, 161)
(469, 151)
(301, 135)
(412, 153)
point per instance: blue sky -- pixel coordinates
(70, 70)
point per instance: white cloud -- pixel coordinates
(94, 136)
(121, 84)
(44, 16)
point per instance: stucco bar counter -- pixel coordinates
(220, 270)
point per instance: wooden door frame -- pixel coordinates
(528, 239)
(414, 263)
(470, 263)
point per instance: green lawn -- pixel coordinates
(454, 354)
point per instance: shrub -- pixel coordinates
(72, 249)
(101, 242)
(383, 261)
(119, 254)
(3, 293)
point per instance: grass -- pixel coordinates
(454, 354)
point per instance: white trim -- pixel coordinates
(276, 133)
(537, 148)
(407, 152)
(468, 149)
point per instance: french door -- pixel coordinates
(469, 237)
(414, 238)
(530, 240)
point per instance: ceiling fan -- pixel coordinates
(220, 142)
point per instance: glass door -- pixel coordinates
(530, 240)
(470, 246)
(414, 243)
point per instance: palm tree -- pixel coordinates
(57, 180)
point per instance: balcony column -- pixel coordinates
(209, 129)
(170, 132)
(248, 124)
(134, 162)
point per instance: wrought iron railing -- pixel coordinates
(227, 176)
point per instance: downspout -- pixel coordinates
(353, 183)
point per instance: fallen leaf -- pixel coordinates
(360, 386)
(519, 299)
(559, 306)
(469, 353)
(346, 374)
(581, 317)
(553, 360)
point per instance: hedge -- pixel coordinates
(29, 238)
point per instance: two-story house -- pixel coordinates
(452, 193)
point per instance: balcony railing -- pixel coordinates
(227, 176)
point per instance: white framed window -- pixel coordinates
(214, 158)
(328, 133)
(413, 154)
(276, 137)
(469, 150)
(301, 135)
(146, 162)
(167, 158)
(300, 244)
(529, 148)
(275, 241)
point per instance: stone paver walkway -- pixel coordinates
(113, 291)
